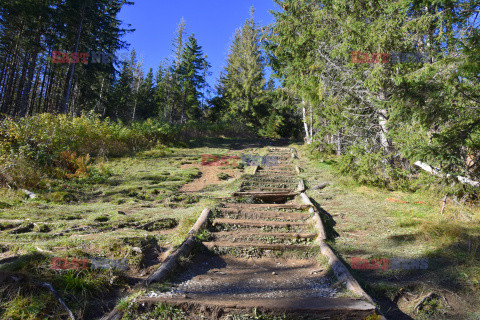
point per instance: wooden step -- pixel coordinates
(257, 206)
(255, 244)
(256, 214)
(265, 189)
(284, 167)
(273, 172)
(288, 175)
(258, 223)
(317, 307)
(270, 184)
(281, 235)
(267, 195)
(259, 210)
(257, 179)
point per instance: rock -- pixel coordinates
(137, 249)
(274, 273)
(321, 186)
(317, 271)
(30, 194)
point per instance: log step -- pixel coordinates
(278, 235)
(277, 168)
(316, 307)
(260, 206)
(258, 210)
(280, 187)
(270, 184)
(266, 194)
(257, 223)
(281, 180)
(265, 189)
(257, 245)
(256, 238)
(266, 174)
(254, 214)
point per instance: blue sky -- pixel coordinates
(212, 21)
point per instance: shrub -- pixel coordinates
(223, 176)
(46, 145)
(372, 168)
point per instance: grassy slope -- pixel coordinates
(102, 216)
(376, 223)
(142, 189)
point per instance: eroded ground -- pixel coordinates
(137, 208)
(133, 208)
(259, 254)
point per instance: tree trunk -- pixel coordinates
(100, 98)
(41, 97)
(31, 66)
(311, 122)
(436, 172)
(8, 93)
(29, 81)
(72, 66)
(339, 142)
(305, 124)
(49, 93)
(20, 90)
(31, 105)
(3, 84)
(183, 105)
(138, 77)
(382, 121)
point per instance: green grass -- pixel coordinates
(372, 222)
(128, 209)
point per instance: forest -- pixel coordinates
(382, 112)
(381, 95)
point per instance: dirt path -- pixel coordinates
(209, 176)
(261, 254)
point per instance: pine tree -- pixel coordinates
(174, 95)
(192, 72)
(163, 83)
(373, 110)
(122, 95)
(146, 98)
(242, 85)
(30, 30)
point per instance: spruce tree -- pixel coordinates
(174, 95)
(192, 74)
(242, 85)
(146, 98)
(163, 83)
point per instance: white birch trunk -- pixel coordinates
(138, 77)
(305, 124)
(436, 172)
(382, 121)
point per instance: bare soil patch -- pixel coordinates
(209, 176)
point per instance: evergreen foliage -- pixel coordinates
(384, 115)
